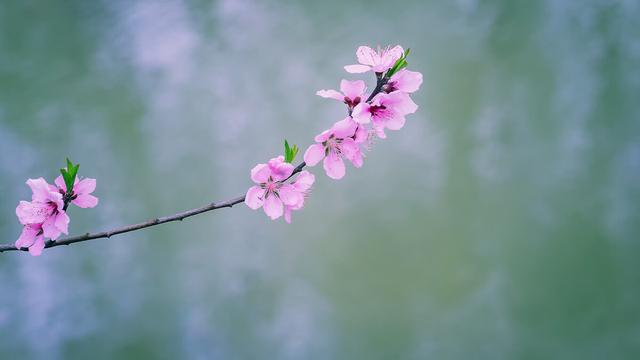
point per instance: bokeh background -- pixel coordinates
(501, 223)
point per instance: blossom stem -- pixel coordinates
(382, 80)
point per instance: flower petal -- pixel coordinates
(330, 94)
(27, 236)
(390, 56)
(361, 113)
(379, 130)
(85, 201)
(406, 80)
(361, 134)
(260, 173)
(314, 154)
(367, 56)
(304, 181)
(351, 151)
(287, 214)
(352, 89)
(59, 181)
(344, 128)
(254, 198)
(334, 166)
(395, 122)
(399, 102)
(289, 195)
(62, 222)
(323, 136)
(357, 69)
(32, 212)
(273, 207)
(49, 228)
(40, 189)
(84, 186)
(281, 171)
(37, 247)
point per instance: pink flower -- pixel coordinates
(385, 111)
(32, 238)
(45, 209)
(351, 93)
(301, 184)
(271, 193)
(81, 191)
(377, 61)
(404, 81)
(341, 141)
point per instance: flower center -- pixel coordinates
(351, 103)
(390, 87)
(379, 111)
(333, 145)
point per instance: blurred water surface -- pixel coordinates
(501, 223)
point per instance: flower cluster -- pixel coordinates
(367, 117)
(45, 216)
(273, 194)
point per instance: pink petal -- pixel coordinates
(273, 207)
(85, 201)
(27, 236)
(59, 181)
(304, 181)
(361, 134)
(314, 154)
(367, 56)
(357, 69)
(56, 198)
(287, 214)
(289, 195)
(390, 57)
(361, 113)
(399, 101)
(352, 89)
(323, 136)
(37, 247)
(334, 166)
(407, 81)
(32, 212)
(344, 128)
(260, 173)
(351, 151)
(395, 122)
(379, 130)
(281, 171)
(62, 222)
(49, 228)
(84, 186)
(254, 197)
(330, 94)
(40, 189)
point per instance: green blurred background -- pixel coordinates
(501, 223)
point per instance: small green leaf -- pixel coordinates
(69, 174)
(289, 152)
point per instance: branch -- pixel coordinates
(153, 222)
(381, 81)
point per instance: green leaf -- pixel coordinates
(69, 174)
(289, 152)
